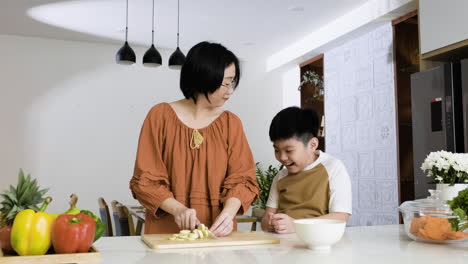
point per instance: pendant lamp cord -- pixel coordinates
(152, 36)
(126, 24)
(178, 3)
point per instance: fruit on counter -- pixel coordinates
(201, 232)
(30, 234)
(26, 195)
(100, 226)
(5, 244)
(434, 228)
(73, 209)
(73, 233)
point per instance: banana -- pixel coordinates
(200, 233)
(73, 210)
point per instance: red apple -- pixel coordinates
(5, 239)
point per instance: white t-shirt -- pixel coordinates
(339, 184)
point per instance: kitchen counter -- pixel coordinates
(360, 245)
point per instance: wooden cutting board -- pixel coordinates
(161, 241)
(50, 258)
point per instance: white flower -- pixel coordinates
(449, 167)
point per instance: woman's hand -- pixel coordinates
(186, 219)
(282, 223)
(223, 224)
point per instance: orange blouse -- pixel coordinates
(203, 179)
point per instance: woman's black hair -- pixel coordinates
(294, 122)
(203, 69)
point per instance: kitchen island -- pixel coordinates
(360, 245)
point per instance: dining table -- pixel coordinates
(359, 244)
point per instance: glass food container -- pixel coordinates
(429, 220)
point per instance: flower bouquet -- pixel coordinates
(446, 167)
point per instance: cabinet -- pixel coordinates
(309, 92)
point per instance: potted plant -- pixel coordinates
(264, 179)
(448, 170)
(26, 195)
(314, 79)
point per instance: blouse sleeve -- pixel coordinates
(240, 181)
(150, 182)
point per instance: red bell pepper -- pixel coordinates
(73, 233)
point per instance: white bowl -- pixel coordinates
(319, 234)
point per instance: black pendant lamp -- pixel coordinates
(152, 58)
(177, 58)
(125, 55)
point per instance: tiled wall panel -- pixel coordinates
(360, 123)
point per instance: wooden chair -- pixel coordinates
(115, 217)
(105, 216)
(139, 213)
(248, 219)
(123, 220)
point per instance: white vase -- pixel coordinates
(448, 192)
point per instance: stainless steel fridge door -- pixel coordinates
(430, 100)
(464, 77)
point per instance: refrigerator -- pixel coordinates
(439, 107)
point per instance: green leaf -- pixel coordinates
(12, 197)
(460, 213)
(21, 184)
(454, 222)
(265, 179)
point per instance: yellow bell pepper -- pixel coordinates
(30, 234)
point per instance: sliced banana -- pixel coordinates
(200, 233)
(184, 232)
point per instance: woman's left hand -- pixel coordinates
(223, 225)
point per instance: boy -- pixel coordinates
(313, 184)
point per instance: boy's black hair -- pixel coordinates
(203, 69)
(294, 122)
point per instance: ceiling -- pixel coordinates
(248, 27)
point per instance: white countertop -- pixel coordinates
(360, 245)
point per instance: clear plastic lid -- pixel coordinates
(431, 204)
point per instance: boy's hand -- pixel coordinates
(267, 222)
(282, 223)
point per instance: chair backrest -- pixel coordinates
(123, 220)
(105, 216)
(115, 216)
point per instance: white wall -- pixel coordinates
(442, 23)
(257, 99)
(312, 43)
(71, 116)
(360, 126)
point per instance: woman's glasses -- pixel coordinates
(228, 84)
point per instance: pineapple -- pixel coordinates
(26, 195)
(2, 221)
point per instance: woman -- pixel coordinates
(193, 163)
